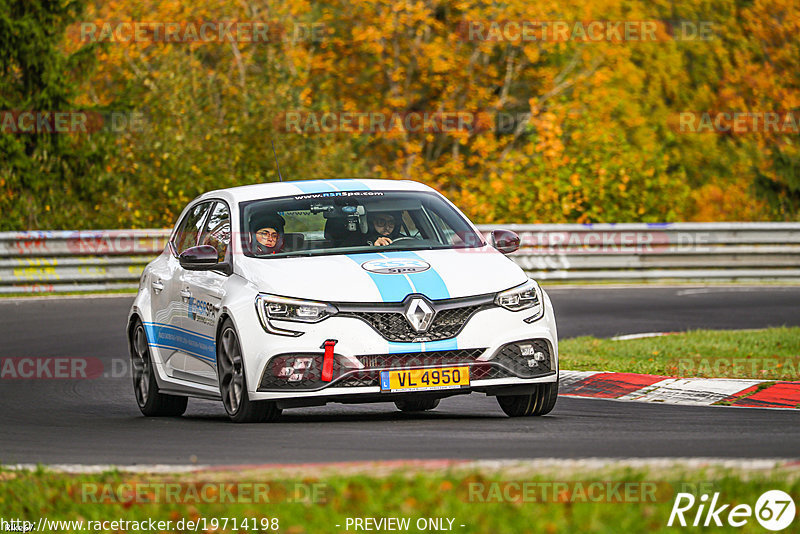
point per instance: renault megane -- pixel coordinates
(291, 294)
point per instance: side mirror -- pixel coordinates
(505, 241)
(202, 258)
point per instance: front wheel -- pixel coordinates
(540, 402)
(233, 382)
(145, 388)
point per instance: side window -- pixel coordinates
(217, 231)
(188, 230)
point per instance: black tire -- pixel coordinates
(233, 382)
(540, 402)
(416, 405)
(145, 388)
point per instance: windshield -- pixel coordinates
(348, 222)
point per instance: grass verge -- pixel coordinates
(769, 354)
(623, 499)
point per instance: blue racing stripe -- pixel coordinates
(314, 186)
(348, 185)
(403, 348)
(396, 287)
(428, 346)
(443, 344)
(429, 282)
(170, 337)
(392, 287)
(181, 329)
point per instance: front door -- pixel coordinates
(203, 291)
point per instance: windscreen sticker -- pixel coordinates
(314, 196)
(330, 186)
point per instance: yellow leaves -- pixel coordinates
(305, 96)
(497, 186)
(531, 53)
(440, 64)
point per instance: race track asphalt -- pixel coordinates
(96, 421)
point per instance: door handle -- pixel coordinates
(185, 293)
(158, 285)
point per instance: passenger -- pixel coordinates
(383, 229)
(269, 234)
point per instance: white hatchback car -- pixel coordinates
(294, 294)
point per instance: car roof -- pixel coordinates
(303, 187)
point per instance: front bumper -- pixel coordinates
(301, 372)
(486, 344)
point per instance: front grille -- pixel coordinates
(277, 378)
(424, 359)
(393, 325)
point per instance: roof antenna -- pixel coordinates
(276, 161)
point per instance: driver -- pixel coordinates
(269, 234)
(384, 227)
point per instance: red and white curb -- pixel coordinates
(689, 391)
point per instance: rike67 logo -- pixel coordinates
(774, 510)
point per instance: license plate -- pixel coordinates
(425, 379)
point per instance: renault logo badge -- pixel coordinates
(419, 314)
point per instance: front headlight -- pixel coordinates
(527, 296)
(274, 307)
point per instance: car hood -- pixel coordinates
(385, 277)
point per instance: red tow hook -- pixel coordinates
(327, 360)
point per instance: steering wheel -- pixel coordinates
(403, 238)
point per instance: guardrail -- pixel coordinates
(57, 261)
(632, 251)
